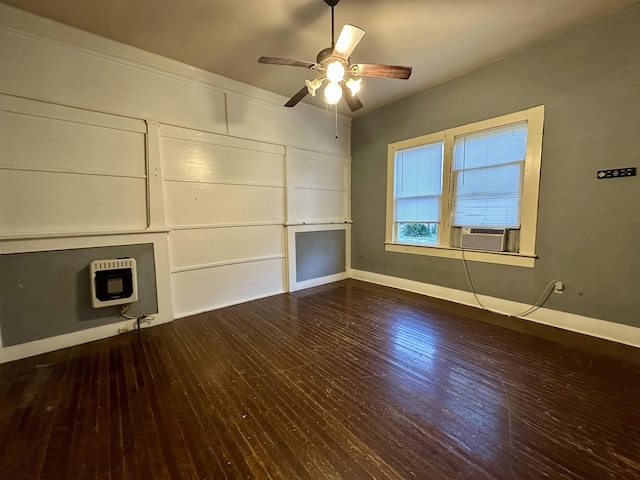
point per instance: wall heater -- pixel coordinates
(113, 282)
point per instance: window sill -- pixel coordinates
(501, 258)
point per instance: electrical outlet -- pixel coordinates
(558, 288)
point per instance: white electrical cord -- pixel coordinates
(544, 296)
(145, 318)
(124, 309)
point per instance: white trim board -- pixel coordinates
(291, 230)
(45, 345)
(616, 332)
(179, 316)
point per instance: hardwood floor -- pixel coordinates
(348, 380)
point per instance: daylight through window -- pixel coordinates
(473, 187)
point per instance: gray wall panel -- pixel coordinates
(44, 294)
(319, 254)
(588, 229)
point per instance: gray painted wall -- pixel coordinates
(319, 254)
(588, 229)
(44, 294)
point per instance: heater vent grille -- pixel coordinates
(118, 263)
(113, 282)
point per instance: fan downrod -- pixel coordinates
(332, 3)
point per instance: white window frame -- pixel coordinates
(530, 188)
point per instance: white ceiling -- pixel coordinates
(441, 39)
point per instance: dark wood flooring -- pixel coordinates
(344, 381)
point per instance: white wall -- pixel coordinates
(318, 199)
(101, 143)
(224, 201)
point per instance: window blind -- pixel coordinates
(418, 184)
(488, 170)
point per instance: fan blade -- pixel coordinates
(293, 101)
(386, 71)
(348, 39)
(285, 61)
(353, 102)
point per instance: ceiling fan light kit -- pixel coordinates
(353, 85)
(313, 85)
(344, 79)
(332, 93)
(335, 71)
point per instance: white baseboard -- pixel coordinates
(594, 327)
(316, 282)
(211, 308)
(30, 349)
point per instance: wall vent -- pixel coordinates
(489, 239)
(113, 282)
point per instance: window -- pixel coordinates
(481, 177)
(418, 192)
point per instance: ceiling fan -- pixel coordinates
(343, 78)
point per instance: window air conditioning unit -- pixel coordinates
(490, 239)
(113, 282)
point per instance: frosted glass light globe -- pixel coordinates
(332, 93)
(335, 72)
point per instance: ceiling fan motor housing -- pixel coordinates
(325, 55)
